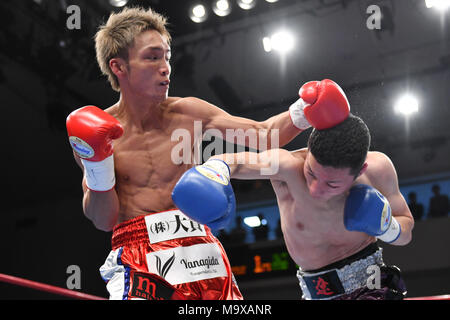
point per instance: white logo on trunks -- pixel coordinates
(188, 264)
(172, 225)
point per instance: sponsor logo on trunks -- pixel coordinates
(209, 261)
(325, 285)
(188, 264)
(322, 287)
(172, 225)
(146, 287)
(163, 268)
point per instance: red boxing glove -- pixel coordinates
(91, 132)
(322, 104)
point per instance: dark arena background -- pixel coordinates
(392, 58)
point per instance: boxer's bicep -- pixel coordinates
(213, 117)
(270, 164)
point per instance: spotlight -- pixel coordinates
(198, 13)
(267, 44)
(252, 221)
(281, 41)
(246, 4)
(438, 4)
(271, 1)
(407, 105)
(118, 3)
(222, 8)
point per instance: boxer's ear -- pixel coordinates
(363, 169)
(118, 66)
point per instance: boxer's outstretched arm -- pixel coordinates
(254, 134)
(322, 105)
(277, 131)
(276, 164)
(102, 208)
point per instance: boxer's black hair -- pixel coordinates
(343, 146)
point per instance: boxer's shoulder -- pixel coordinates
(378, 163)
(291, 162)
(380, 171)
(180, 104)
(300, 153)
(194, 107)
(113, 110)
(172, 102)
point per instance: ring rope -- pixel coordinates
(84, 296)
(47, 288)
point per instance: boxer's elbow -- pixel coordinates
(101, 222)
(407, 225)
(102, 213)
(404, 239)
(104, 218)
(104, 227)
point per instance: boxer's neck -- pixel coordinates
(139, 112)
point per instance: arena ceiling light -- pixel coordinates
(438, 4)
(222, 8)
(271, 1)
(407, 105)
(254, 221)
(281, 41)
(246, 4)
(118, 3)
(198, 13)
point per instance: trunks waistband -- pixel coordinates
(367, 251)
(342, 277)
(131, 231)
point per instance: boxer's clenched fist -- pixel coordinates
(322, 104)
(204, 194)
(91, 132)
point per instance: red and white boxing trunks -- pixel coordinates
(166, 255)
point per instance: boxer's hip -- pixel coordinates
(183, 252)
(360, 276)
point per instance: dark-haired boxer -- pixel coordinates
(129, 173)
(335, 200)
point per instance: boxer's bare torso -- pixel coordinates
(314, 231)
(144, 166)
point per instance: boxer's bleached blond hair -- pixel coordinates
(116, 36)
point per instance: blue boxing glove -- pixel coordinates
(367, 210)
(204, 193)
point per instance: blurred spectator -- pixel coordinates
(438, 203)
(238, 234)
(415, 207)
(261, 233)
